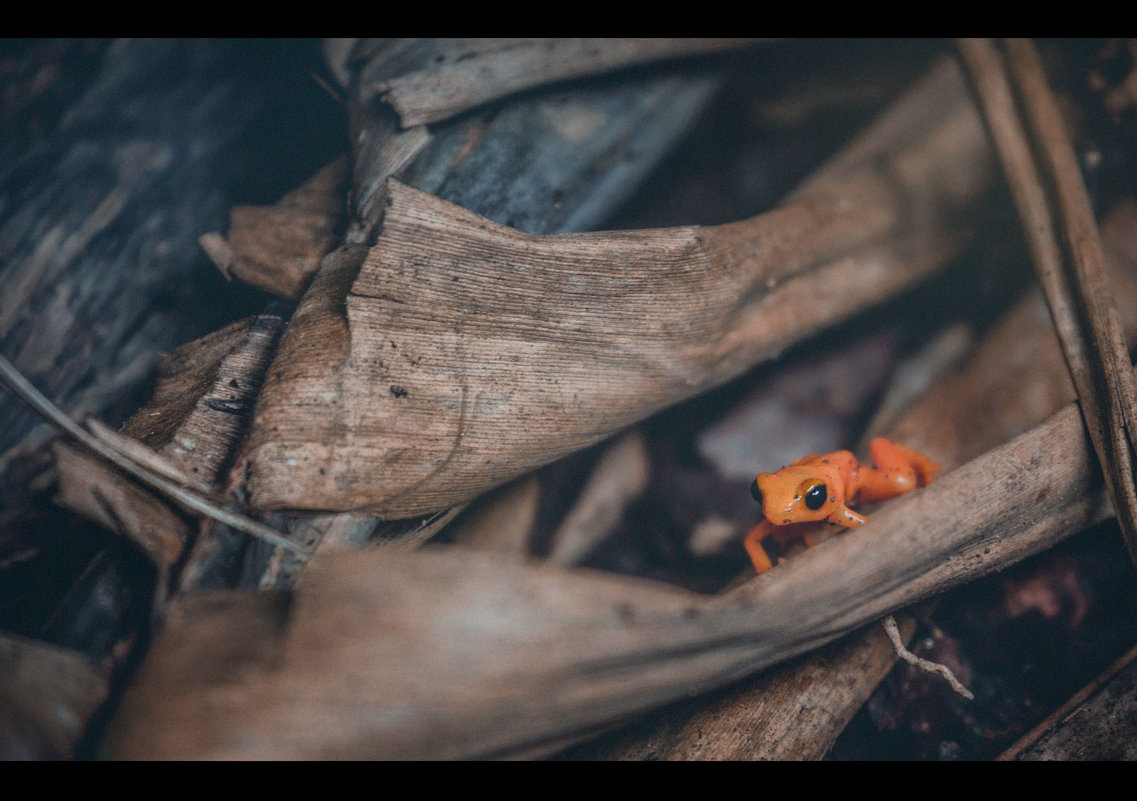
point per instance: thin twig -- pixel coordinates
(924, 664)
(1041, 170)
(191, 501)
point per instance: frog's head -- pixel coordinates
(797, 494)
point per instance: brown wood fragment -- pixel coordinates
(560, 183)
(279, 247)
(447, 387)
(451, 653)
(315, 328)
(218, 378)
(48, 697)
(381, 150)
(619, 477)
(1042, 171)
(93, 488)
(470, 72)
(145, 457)
(501, 520)
(564, 158)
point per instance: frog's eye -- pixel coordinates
(755, 492)
(815, 497)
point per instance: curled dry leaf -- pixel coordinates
(451, 653)
(439, 384)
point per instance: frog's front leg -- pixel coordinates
(844, 516)
(783, 535)
(753, 544)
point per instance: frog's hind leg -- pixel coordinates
(898, 469)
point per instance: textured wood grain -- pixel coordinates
(558, 159)
(194, 420)
(100, 210)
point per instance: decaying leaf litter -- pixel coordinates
(660, 667)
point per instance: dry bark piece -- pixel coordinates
(501, 520)
(460, 74)
(451, 653)
(556, 179)
(543, 170)
(193, 422)
(147, 458)
(278, 248)
(447, 387)
(546, 177)
(203, 396)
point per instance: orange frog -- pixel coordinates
(818, 488)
